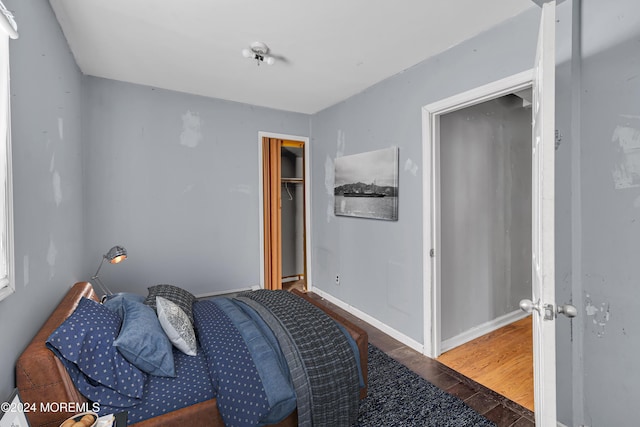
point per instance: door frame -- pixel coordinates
(307, 201)
(431, 193)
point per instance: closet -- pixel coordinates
(284, 214)
(292, 202)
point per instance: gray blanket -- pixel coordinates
(322, 363)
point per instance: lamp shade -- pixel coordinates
(116, 254)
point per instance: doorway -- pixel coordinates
(284, 214)
(480, 235)
(485, 228)
(542, 304)
(485, 225)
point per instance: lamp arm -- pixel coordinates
(105, 290)
(96, 279)
(95, 276)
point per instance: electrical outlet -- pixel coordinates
(337, 280)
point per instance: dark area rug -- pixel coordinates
(399, 397)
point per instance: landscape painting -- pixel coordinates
(366, 185)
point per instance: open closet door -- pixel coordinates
(271, 164)
(542, 306)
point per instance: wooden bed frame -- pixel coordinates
(41, 377)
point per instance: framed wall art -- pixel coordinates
(366, 185)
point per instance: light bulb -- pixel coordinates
(118, 259)
(247, 53)
(269, 60)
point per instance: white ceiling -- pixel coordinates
(332, 49)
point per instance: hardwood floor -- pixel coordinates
(501, 360)
(494, 406)
(297, 284)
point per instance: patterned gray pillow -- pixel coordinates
(184, 299)
(177, 326)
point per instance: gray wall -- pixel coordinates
(292, 212)
(288, 212)
(380, 263)
(184, 196)
(610, 211)
(485, 205)
(568, 337)
(47, 178)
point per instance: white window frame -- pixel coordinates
(8, 29)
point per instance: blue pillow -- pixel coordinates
(115, 302)
(142, 340)
(85, 339)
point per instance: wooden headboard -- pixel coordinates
(40, 376)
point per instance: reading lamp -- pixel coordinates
(115, 255)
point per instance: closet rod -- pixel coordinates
(292, 180)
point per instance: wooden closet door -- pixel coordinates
(271, 164)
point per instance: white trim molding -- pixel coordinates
(483, 329)
(7, 22)
(409, 342)
(307, 197)
(7, 264)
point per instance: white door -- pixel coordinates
(543, 258)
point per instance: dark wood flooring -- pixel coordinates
(497, 408)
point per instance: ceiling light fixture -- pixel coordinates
(258, 51)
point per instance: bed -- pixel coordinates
(215, 392)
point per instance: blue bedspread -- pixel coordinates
(164, 394)
(251, 386)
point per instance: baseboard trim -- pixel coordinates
(410, 342)
(480, 330)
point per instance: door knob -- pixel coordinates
(528, 306)
(568, 310)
